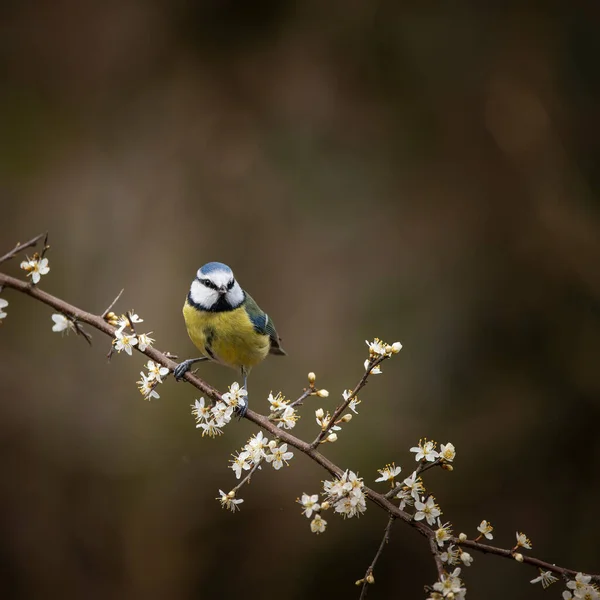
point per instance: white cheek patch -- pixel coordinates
(235, 296)
(202, 295)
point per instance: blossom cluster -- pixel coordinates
(212, 418)
(35, 267)
(450, 585)
(148, 382)
(579, 588)
(345, 495)
(257, 449)
(282, 412)
(126, 340)
(379, 350)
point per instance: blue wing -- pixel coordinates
(263, 325)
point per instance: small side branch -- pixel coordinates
(439, 565)
(20, 247)
(368, 578)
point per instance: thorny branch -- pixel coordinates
(78, 315)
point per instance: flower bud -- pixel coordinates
(447, 467)
(359, 582)
(231, 495)
(325, 505)
(518, 557)
(332, 437)
(311, 378)
(346, 418)
(396, 347)
(370, 578)
(319, 413)
(462, 537)
(322, 393)
(111, 318)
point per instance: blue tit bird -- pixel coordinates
(226, 324)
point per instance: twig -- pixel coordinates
(439, 565)
(247, 478)
(369, 573)
(19, 247)
(344, 405)
(103, 315)
(305, 394)
(379, 499)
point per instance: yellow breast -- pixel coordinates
(227, 337)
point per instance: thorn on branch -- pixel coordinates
(103, 315)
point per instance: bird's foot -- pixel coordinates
(242, 408)
(182, 368)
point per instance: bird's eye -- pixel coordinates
(208, 283)
(230, 284)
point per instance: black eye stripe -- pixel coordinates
(208, 283)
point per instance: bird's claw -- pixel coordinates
(181, 369)
(242, 409)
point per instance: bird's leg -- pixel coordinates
(183, 367)
(241, 410)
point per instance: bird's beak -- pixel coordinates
(223, 290)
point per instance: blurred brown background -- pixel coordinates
(420, 172)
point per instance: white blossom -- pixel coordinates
(450, 583)
(277, 402)
(466, 558)
(288, 419)
(229, 501)
(156, 371)
(486, 529)
(236, 396)
(62, 323)
(201, 411)
(124, 341)
(310, 504)
(388, 473)
(582, 588)
(241, 463)
(447, 452)
(318, 524)
(450, 555)
(346, 394)
(523, 541)
(376, 370)
(210, 428)
(146, 386)
(35, 268)
(257, 446)
(425, 451)
(415, 485)
(546, 578)
(427, 510)
(221, 414)
(279, 455)
(443, 533)
(346, 494)
(145, 341)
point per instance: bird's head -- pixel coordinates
(215, 288)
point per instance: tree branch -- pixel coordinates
(381, 500)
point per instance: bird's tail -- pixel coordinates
(278, 351)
